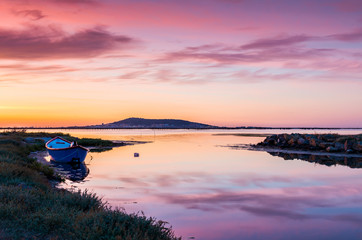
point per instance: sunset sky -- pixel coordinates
(221, 62)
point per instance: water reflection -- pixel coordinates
(209, 192)
(327, 160)
(75, 172)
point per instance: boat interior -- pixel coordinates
(59, 143)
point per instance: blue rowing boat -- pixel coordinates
(65, 151)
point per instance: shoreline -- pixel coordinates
(34, 208)
(252, 147)
(43, 157)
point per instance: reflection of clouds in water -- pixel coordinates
(133, 181)
(353, 218)
(215, 193)
(278, 205)
(160, 180)
(263, 181)
(165, 180)
(265, 211)
(291, 202)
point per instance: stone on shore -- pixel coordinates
(320, 142)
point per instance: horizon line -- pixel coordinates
(205, 128)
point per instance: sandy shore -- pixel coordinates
(41, 156)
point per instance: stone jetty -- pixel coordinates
(315, 142)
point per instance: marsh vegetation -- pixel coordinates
(32, 208)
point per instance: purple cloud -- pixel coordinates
(277, 42)
(229, 56)
(261, 74)
(348, 37)
(291, 206)
(267, 211)
(58, 1)
(263, 50)
(52, 43)
(347, 5)
(45, 68)
(134, 75)
(33, 14)
(257, 204)
(231, 1)
(76, 1)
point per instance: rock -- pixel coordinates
(326, 142)
(349, 151)
(339, 146)
(271, 140)
(309, 136)
(324, 145)
(332, 149)
(348, 144)
(286, 136)
(314, 142)
(296, 135)
(281, 140)
(302, 141)
(274, 136)
(357, 146)
(329, 137)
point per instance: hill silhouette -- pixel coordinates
(154, 123)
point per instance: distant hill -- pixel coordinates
(153, 123)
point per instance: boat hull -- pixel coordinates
(75, 154)
(63, 151)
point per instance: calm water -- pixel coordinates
(206, 191)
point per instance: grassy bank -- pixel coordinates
(30, 208)
(38, 137)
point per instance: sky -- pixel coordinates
(273, 63)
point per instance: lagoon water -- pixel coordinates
(208, 191)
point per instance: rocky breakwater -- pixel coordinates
(315, 142)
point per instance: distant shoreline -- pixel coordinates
(211, 128)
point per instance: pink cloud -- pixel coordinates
(277, 42)
(55, 1)
(252, 53)
(33, 14)
(348, 37)
(53, 43)
(44, 68)
(347, 5)
(76, 1)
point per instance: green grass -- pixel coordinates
(30, 208)
(23, 133)
(91, 142)
(87, 142)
